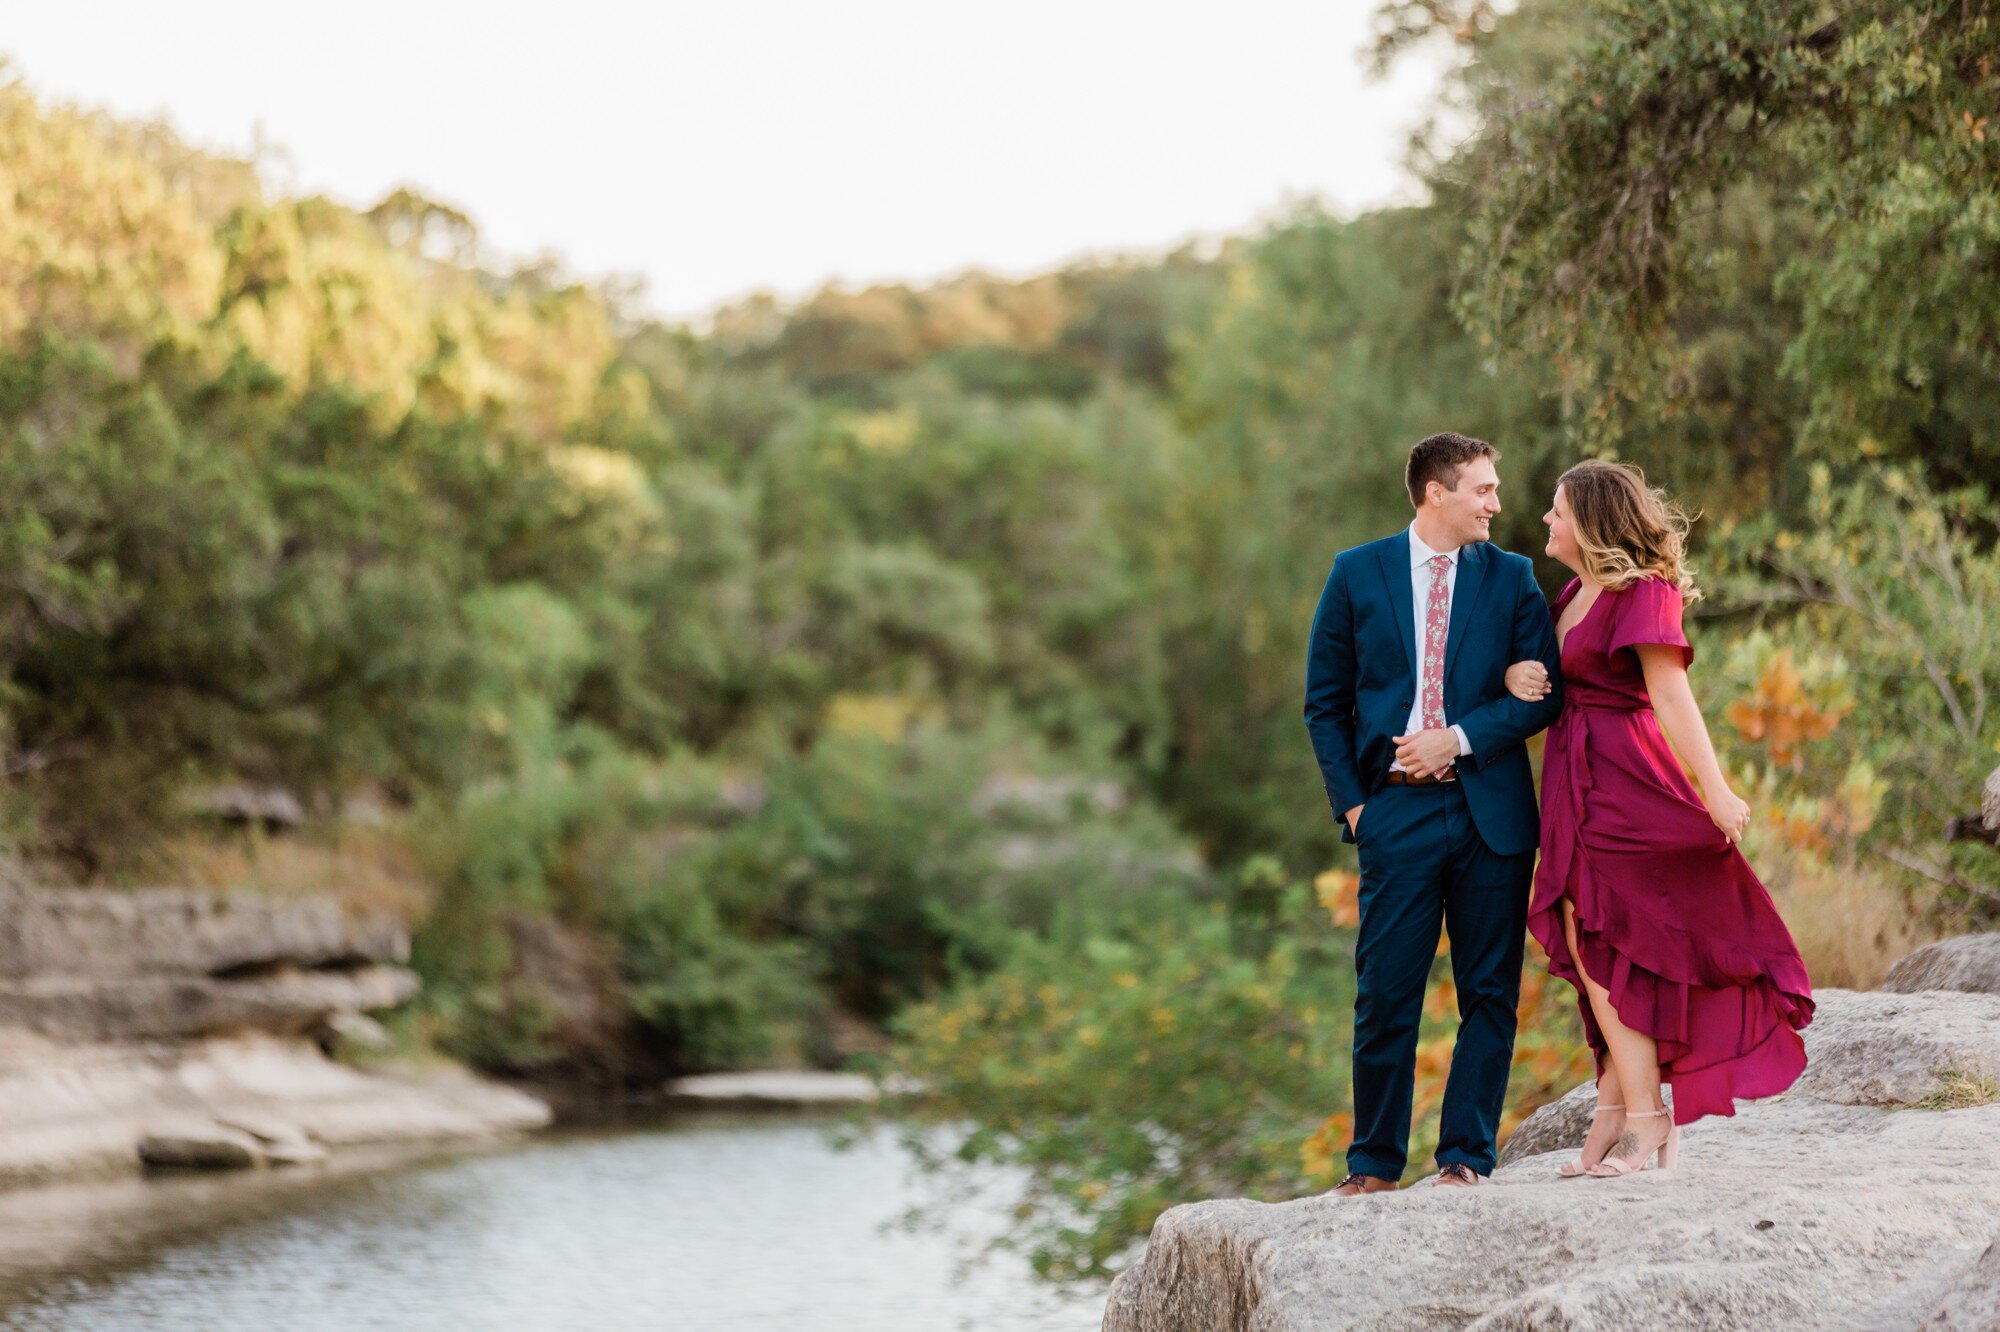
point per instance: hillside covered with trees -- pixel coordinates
(927, 659)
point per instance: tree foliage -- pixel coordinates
(1602, 197)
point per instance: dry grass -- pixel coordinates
(1959, 1089)
(1851, 923)
(367, 869)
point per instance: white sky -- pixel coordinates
(770, 144)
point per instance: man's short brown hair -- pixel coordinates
(1439, 458)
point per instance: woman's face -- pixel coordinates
(1562, 535)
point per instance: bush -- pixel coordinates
(751, 915)
(1865, 715)
(882, 868)
(1191, 1049)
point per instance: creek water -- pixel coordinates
(712, 1224)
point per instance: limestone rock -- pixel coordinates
(1969, 962)
(68, 1109)
(1739, 1237)
(1870, 1048)
(156, 1007)
(180, 1021)
(1834, 1206)
(198, 1146)
(116, 934)
(1876, 1048)
(242, 803)
(1971, 1303)
(280, 1142)
(1046, 799)
(351, 1031)
(293, 1152)
(340, 1106)
(152, 964)
(1558, 1126)
(744, 796)
(773, 1087)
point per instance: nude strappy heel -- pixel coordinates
(1611, 1167)
(1577, 1169)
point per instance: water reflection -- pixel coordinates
(741, 1224)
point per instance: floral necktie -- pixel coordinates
(1436, 620)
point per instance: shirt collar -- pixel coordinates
(1420, 553)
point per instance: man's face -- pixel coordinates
(1468, 508)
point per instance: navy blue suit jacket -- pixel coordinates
(1361, 678)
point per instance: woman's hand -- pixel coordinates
(1730, 812)
(1528, 681)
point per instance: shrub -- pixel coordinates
(1188, 1049)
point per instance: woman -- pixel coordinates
(1642, 900)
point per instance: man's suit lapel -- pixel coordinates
(1472, 561)
(1396, 575)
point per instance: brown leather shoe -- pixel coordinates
(1354, 1184)
(1456, 1176)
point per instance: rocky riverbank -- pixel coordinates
(1867, 1197)
(187, 1029)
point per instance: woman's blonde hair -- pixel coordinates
(1625, 529)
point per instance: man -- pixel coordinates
(1421, 749)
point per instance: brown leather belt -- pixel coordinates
(1400, 778)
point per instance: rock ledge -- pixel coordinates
(1836, 1206)
(181, 1030)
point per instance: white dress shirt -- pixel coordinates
(1420, 603)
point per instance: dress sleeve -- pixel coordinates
(1649, 611)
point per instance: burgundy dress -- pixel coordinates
(1670, 917)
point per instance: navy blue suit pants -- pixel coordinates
(1424, 863)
